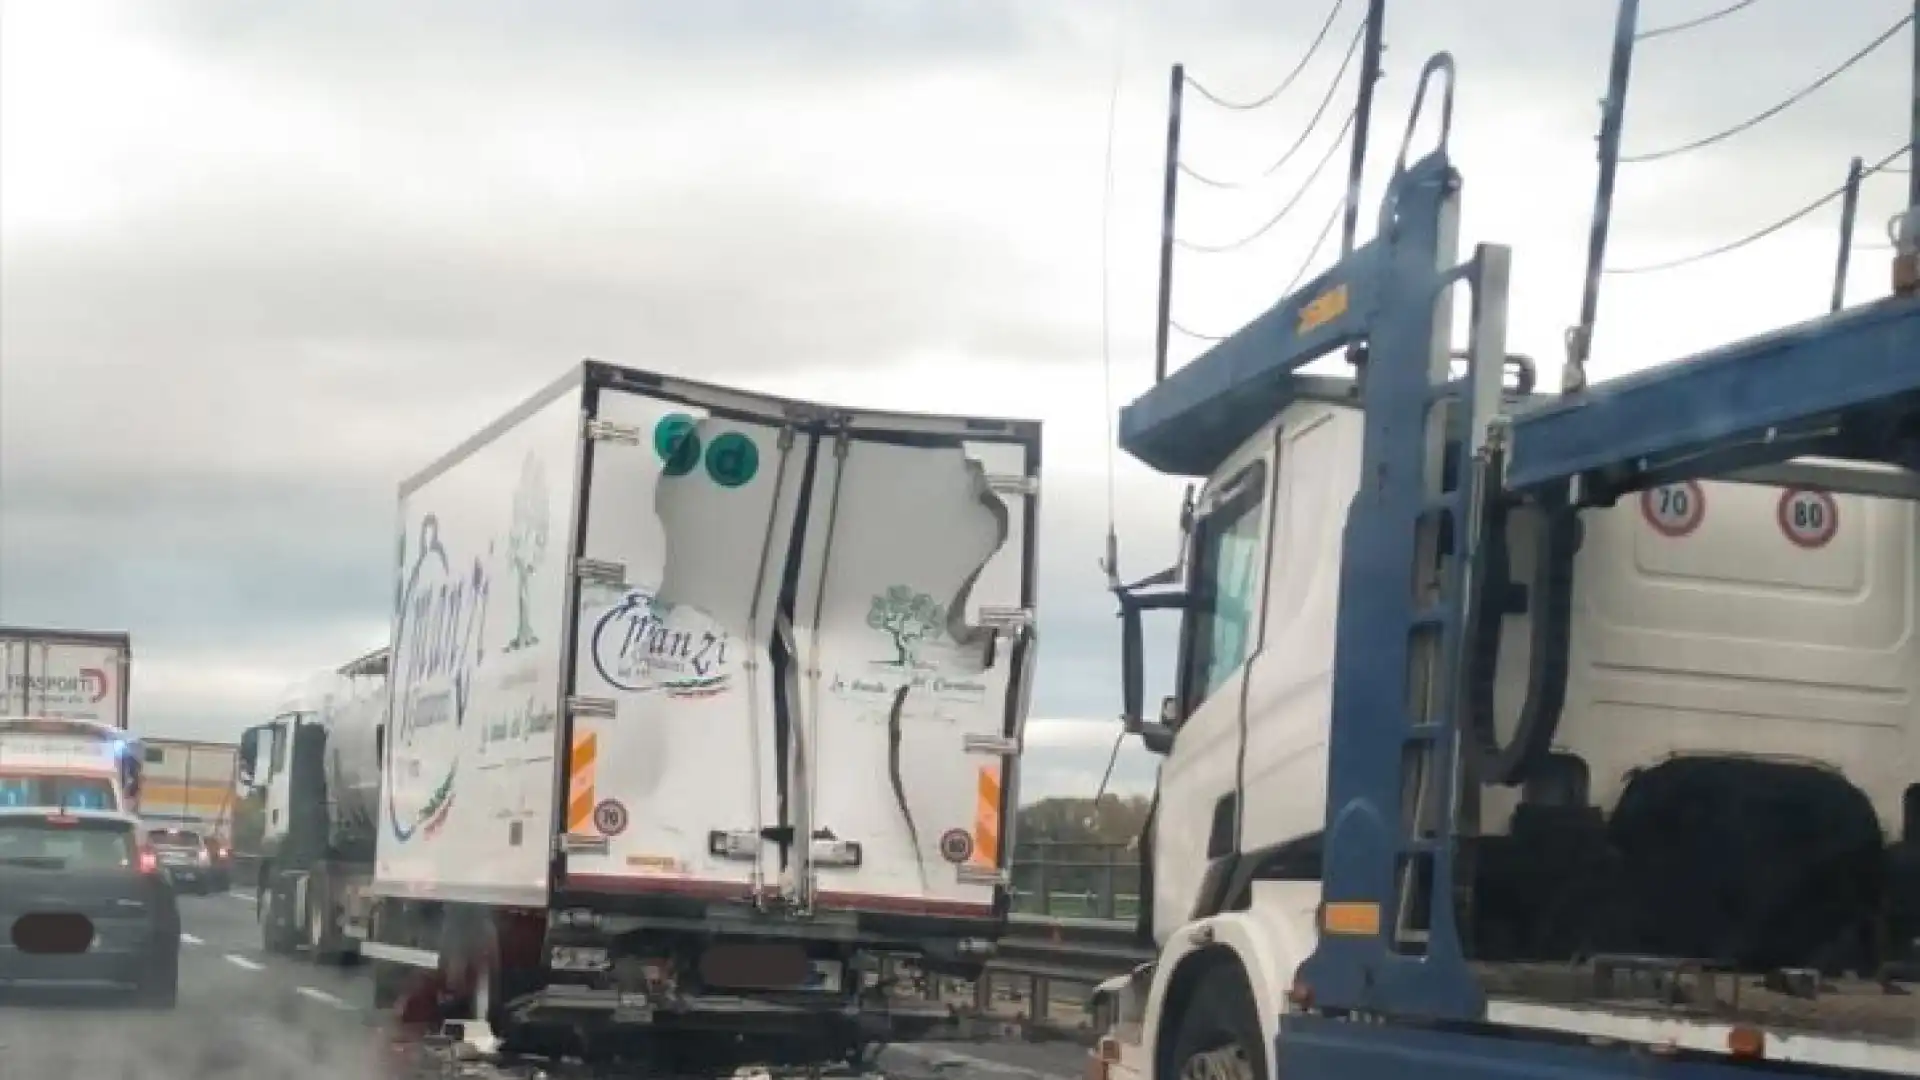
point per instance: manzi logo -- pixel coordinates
(438, 647)
(643, 644)
(527, 546)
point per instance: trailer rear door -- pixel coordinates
(913, 623)
(806, 622)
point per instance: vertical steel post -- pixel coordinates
(1362, 120)
(1849, 207)
(1168, 197)
(1573, 377)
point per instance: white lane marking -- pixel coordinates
(243, 962)
(190, 939)
(236, 894)
(322, 996)
(939, 1057)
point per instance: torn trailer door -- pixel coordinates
(798, 621)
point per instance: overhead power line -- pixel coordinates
(1313, 124)
(1690, 24)
(1758, 234)
(1313, 253)
(1778, 107)
(1272, 95)
(1194, 334)
(1305, 186)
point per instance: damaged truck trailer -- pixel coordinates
(704, 710)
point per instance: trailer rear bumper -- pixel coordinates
(794, 1014)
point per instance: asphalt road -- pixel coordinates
(244, 1014)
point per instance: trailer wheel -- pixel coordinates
(1219, 1033)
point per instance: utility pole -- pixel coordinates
(1904, 230)
(1169, 196)
(1849, 210)
(1363, 115)
(1573, 377)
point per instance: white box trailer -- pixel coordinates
(702, 702)
(188, 784)
(65, 674)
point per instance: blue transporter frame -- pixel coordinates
(1385, 946)
(1847, 385)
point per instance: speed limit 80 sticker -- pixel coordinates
(1808, 518)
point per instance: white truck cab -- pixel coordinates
(1712, 756)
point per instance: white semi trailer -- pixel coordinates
(699, 706)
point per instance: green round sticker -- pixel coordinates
(732, 459)
(675, 440)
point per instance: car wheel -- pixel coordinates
(159, 986)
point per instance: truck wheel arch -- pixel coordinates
(1234, 945)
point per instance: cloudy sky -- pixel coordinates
(260, 261)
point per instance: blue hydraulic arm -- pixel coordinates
(1844, 385)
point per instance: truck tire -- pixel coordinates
(276, 938)
(323, 936)
(1219, 1033)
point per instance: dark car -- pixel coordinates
(84, 905)
(185, 858)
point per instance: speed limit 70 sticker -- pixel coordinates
(1808, 518)
(1674, 510)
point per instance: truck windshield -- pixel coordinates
(69, 843)
(72, 792)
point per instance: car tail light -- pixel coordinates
(149, 862)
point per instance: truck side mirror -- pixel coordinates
(1155, 735)
(249, 749)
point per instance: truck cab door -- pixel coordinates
(1197, 819)
(270, 771)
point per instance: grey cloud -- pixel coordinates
(869, 33)
(692, 281)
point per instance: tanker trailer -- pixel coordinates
(318, 760)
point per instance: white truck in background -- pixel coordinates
(65, 674)
(700, 706)
(189, 784)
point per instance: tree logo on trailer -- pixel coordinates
(643, 644)
(438, 644)
(527, 546)
(907, 618)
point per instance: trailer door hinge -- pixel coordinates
(601, 572)
(1013, 484)
(1006, 620)
(974, 874)
(583, 844)
(992, 745)
(590, 706)
(609, 431)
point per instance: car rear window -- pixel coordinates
(72, 792)
(179, 838)
(67, 843)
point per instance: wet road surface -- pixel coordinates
(245, 1014)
